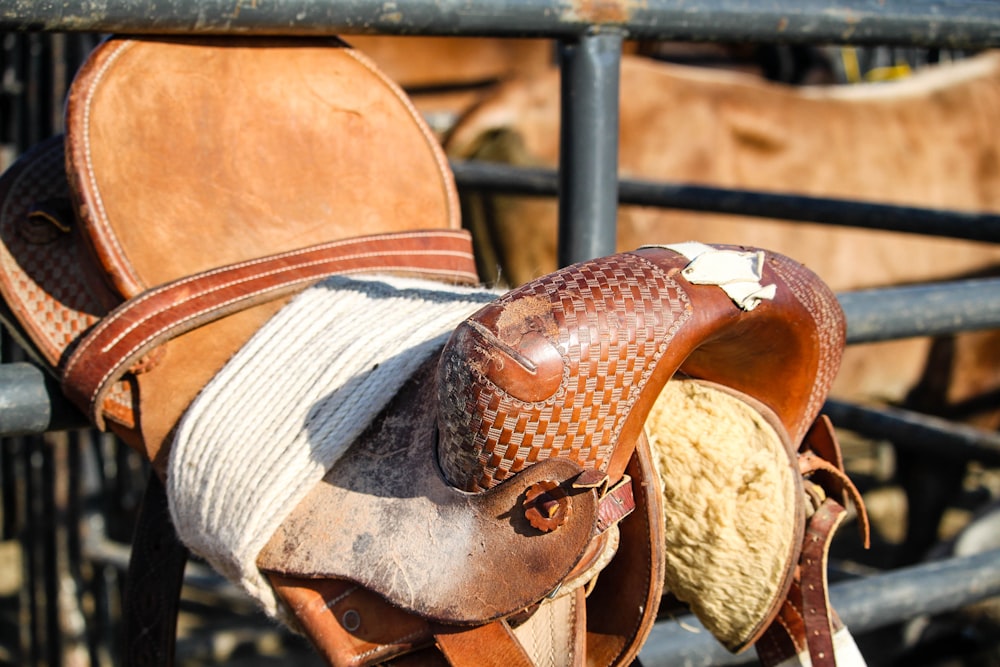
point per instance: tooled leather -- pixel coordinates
(608, 320)
(622, 325)
(133, 329)
(253, 181)
(51, 289)
(831, 333)
(50, 293)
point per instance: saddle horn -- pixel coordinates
(570, 364)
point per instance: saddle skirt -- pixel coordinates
(501, 488)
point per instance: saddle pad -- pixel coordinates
(294, 399)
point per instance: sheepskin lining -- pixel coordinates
(731, 501)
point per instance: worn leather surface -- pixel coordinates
(243, 148)
(349, 625)
(385, 518)
(622, 605)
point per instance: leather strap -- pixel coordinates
(806, 622)
(351, 625)
(153, 585)
(616, 504)
(815, 594)
(490, 645)
(785, 637)
(143, 323)
(156, 572)
(810, 463)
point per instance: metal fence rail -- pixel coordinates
(496, 178)
(952, 23)
(865, 605)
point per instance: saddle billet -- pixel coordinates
(535, 408)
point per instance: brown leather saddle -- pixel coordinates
(503, 506)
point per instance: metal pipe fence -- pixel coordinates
(969, 24)
(907, 593)
(744, 205)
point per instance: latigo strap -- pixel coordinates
(142, 323)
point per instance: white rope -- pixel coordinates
(281, 412)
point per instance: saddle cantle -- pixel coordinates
(502, 504)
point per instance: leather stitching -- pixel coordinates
(100, 215)
(110, 320)
(359, 658)
(274, 272)
(432, 143)
(444, 169)
(228, 302)
(329, 604)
